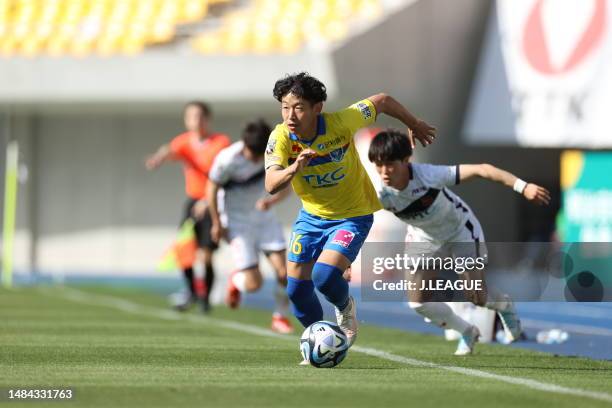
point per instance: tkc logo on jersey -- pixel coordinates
(325, 180)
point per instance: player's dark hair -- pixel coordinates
(301, 85)
(389, 145)
(255, 136)
(204, 107)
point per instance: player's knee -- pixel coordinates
(207, 257)
(255, 280)
(324, 276)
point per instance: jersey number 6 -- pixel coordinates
(296, 246)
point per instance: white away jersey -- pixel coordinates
(432, 212)
(242, 181)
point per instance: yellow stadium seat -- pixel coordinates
(162, 31)
(194, 10)
(31, 47)
(107, 27)
(8, 46)
(57, 47)
(207, 44)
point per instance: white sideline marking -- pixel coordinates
(134, 308)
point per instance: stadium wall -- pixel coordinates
(89, 206)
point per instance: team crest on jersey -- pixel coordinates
(270, 146)
(337, 155)
(343, 238)
(365, 110)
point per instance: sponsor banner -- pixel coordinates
(586, 185)
(544, 77)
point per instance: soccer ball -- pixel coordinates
(324, 344)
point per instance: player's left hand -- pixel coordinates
(262, 204)
(422, 131)
(537, 194)
(199, 209)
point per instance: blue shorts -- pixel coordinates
(312, 234)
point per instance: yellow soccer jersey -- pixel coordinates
(335, 184)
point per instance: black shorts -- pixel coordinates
(202, 227)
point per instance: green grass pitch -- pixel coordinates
(118, 347)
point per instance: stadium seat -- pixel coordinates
(80, 28)
(85, 27)
(285, 27)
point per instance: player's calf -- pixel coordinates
(242, 281)
(304, 302)
(330, 282)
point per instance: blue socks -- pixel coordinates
(329, 281)
(304, 302)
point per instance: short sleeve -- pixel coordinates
(177, 146)
(220, 172)
(277, 152)
(358, 115)
(440, 176)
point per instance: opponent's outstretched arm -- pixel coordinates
(162, 155)
(530, 191)
(265, 203)
(416, 128)
(217, 231)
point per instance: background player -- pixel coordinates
(417, 194)
(243, 217)
(196, 149)
(315, 152)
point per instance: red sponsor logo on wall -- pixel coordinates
(536, 45)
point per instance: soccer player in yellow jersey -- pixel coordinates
(315, 152)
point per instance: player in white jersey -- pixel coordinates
(240, 214)
(438, 220)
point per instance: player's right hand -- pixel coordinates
(537, 194)
(304, 158)
(217, 233)
(152, 163)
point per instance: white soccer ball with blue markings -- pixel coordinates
(324, 344)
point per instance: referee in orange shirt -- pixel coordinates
(196, 149)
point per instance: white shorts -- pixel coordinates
(249, 239)
(466, 241)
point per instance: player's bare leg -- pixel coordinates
(280, 322)
(242, 281)
(208, 279)
(440, 314)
